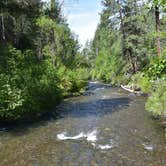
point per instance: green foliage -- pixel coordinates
(72, 80)
(28, 86)
(156, 103)
(42, 64)
(10, 96)
(18, 22)
(57, 42)
(124, 48)
(160, 3)
(157, 68)
(141, 81)
(46, 24)
(145, 84)
(109, 64)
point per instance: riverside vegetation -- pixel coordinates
(129, 48)
(40, 62)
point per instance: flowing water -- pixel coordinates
(104, 127)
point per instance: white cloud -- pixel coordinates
(82, 21)
(84, 25)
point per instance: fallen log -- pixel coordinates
(129, 89)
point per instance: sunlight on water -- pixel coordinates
(148, 147)
(97, 89)
(90, 136)
(93, 82)
(105, 146)
(63, 136)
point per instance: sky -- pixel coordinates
(82, 17)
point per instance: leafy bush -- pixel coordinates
(41, 66)
(79, 79)
(157, 68)
(156, 103)
(30, 87)
(72, 80)
(109, 65)
(141, 81)
(27, 86)
(11, 98)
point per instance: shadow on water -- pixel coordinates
(95, 108)
(79, 109)
(23, 125)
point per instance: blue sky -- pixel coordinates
(83, 17)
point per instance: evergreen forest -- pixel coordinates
(41, 61)
(129, 48)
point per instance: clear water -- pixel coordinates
(104, 127)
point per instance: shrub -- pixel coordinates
(156, 103)
(142, 81)
(72, 80)
(157, 68)
(28, 87)
(11, 98)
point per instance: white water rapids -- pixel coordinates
(90, 137)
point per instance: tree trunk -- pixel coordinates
(157, 17)
(53, 46)
(122, 29)
(3, 28)
(52, 37)
(132, 60)
(53, 9)
(39, 49)
(52, 4)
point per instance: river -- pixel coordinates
(106, 126)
